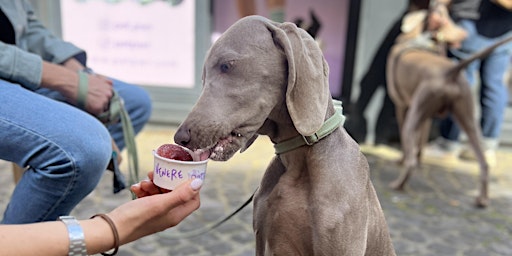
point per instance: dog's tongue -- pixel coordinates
(203, 154)
(199, 154)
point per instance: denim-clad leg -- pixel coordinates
(65, 149)
(493, 92)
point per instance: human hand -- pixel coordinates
(59, 78)
(99, 93)
(154, 211)
(444, 29)
(99, 88)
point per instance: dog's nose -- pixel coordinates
(182, 136)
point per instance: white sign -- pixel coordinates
(142, 42)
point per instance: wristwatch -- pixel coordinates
(76, 236)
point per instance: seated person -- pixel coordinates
(65, 148)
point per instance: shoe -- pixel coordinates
(490, 155)
(443, 149)
(489, 146)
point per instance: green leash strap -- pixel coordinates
(83, 87)
(327, 128)
(129, 139)
(114, 114)
(212, 226)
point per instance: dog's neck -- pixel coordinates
(332, 123)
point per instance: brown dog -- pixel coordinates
(316, 197)
(423, 83)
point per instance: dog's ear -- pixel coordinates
(307, 94)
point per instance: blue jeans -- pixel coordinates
(65, 149)
(493, 94)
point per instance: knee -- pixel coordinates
(91, 160)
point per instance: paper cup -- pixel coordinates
(169, 173)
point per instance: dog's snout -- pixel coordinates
(182, 136)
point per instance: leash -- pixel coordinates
(214, 225)
(115, 113)
(327, 128)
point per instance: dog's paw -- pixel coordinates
(481, 202)
(397, 185)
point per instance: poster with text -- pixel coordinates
(138, 41)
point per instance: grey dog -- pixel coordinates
(316, 197)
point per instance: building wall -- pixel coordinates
(332, 14)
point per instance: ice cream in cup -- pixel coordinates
(174, 164)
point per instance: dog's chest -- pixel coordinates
(283, 218)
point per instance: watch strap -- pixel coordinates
(76, 236)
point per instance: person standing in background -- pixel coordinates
(374, 77)
(486, 22)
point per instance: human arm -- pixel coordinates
(32, 72)
(34, 37)
(506, 4)
(150, 213)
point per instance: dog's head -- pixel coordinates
(257, 74)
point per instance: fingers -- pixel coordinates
(147, 187)
(99, 94)
(185, 192)
(180, 212)
(162, 211)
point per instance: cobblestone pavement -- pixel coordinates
(434, 216)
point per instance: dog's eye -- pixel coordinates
(225, 67)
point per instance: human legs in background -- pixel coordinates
(493, 93)
(275, 8)
(65, 149)
(387, 126)
(245, 8)
(375, 76)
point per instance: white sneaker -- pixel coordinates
(469, 155)
(443, 149)
(489, 146)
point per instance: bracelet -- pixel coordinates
(114, 230)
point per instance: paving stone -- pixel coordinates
(414, 236)
(433, 216)
(442, 249)
(220, 249)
